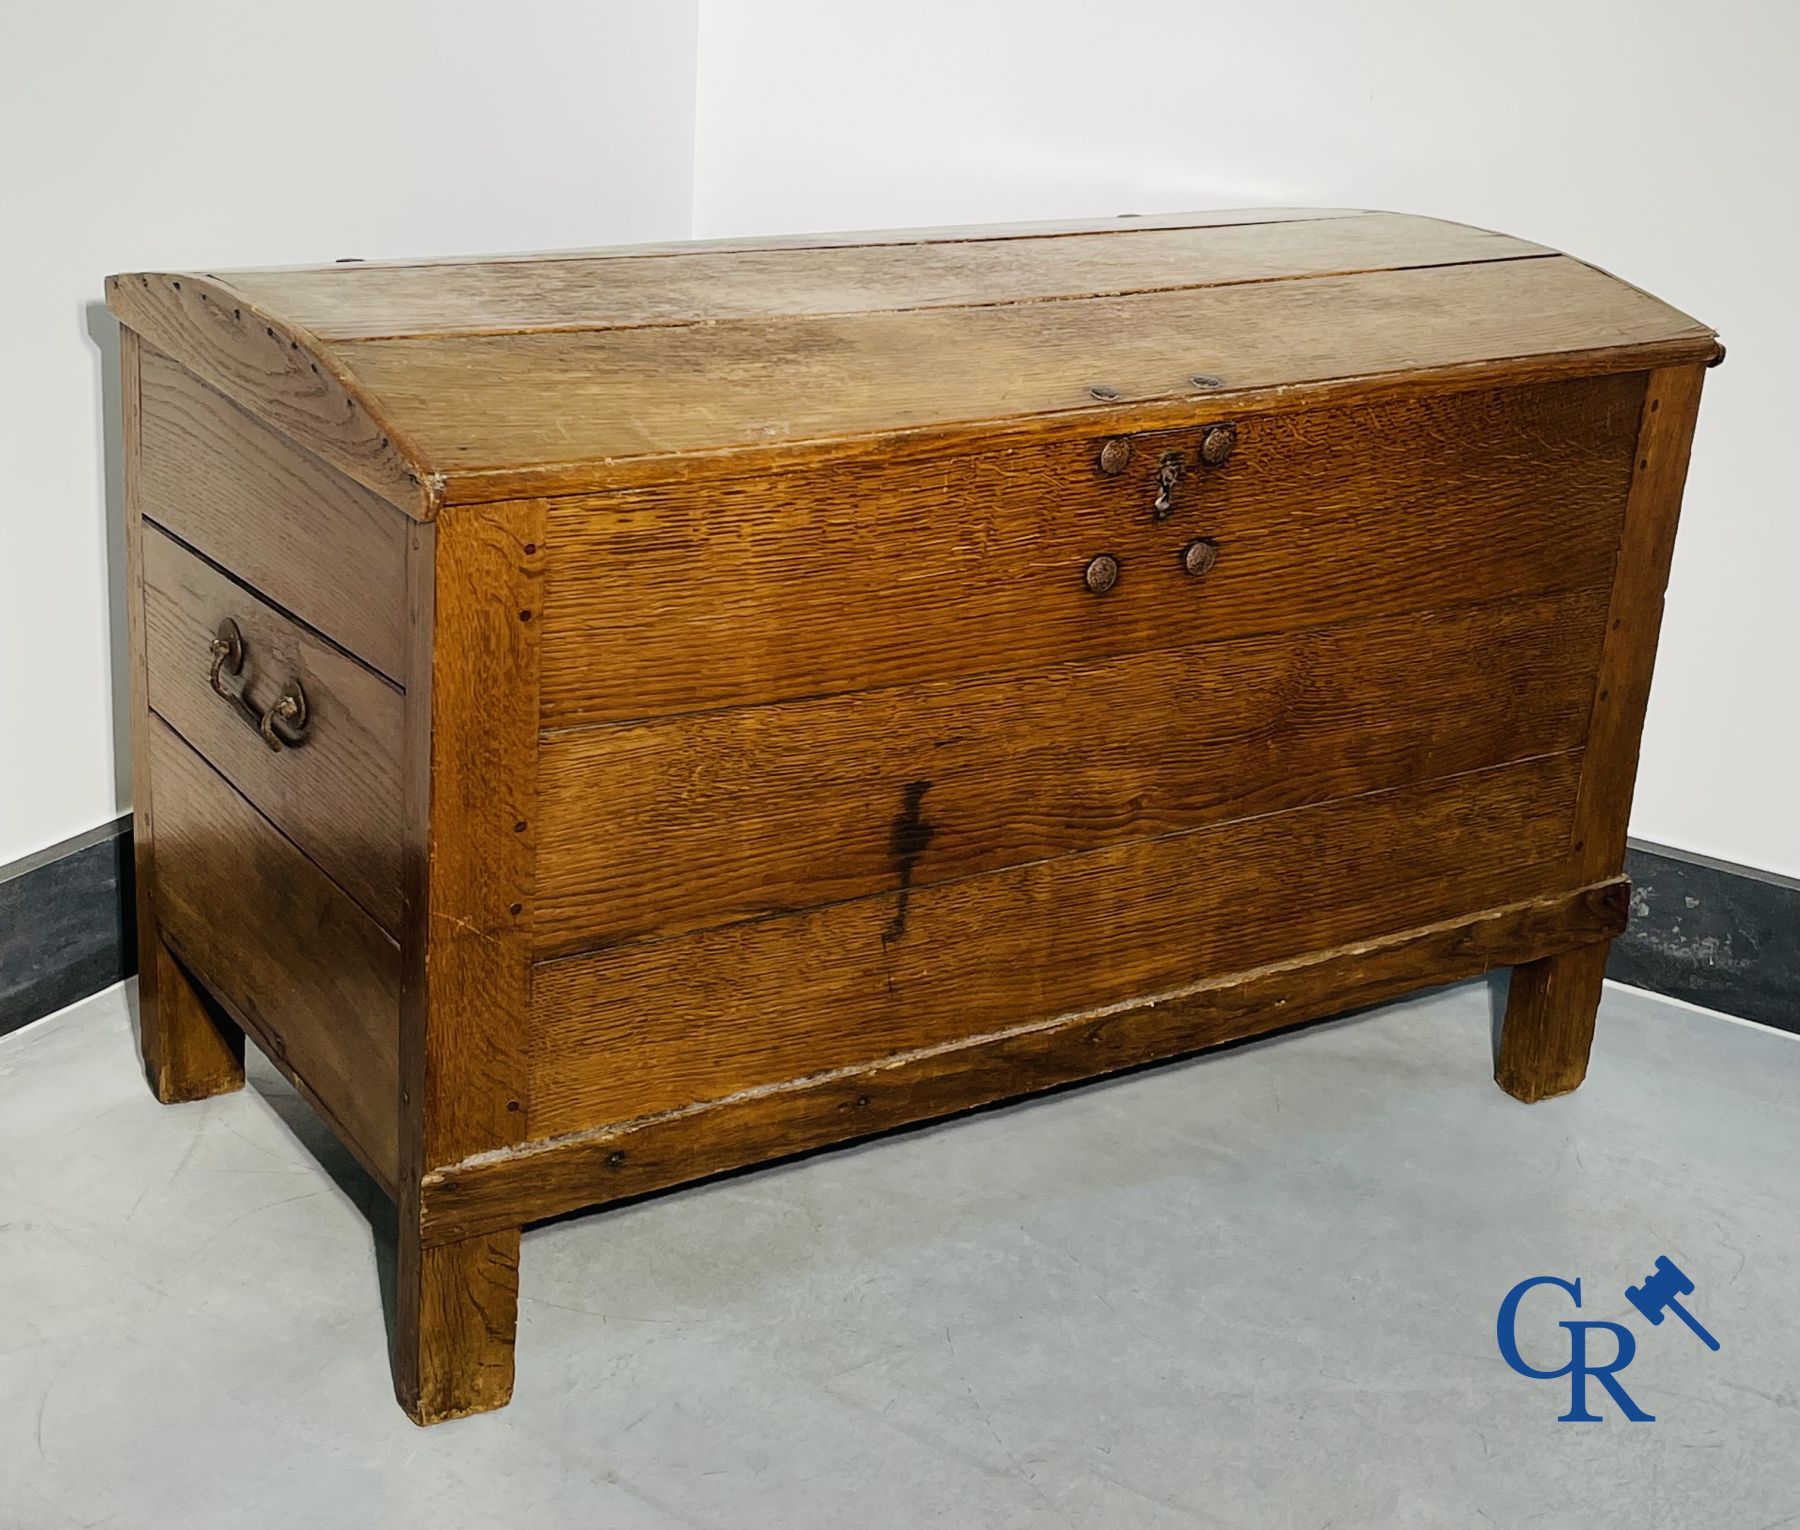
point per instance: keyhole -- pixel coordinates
(1168, 474)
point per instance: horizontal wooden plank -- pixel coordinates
(693, 821)
(346, 302)
(698, 471)
(583, 396)
(658, 1025)
(311, 976)
(777, 585)
(611, 1163)
(338, 794)
(312, 540)
(958, 233)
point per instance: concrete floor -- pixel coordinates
(1256, 1289)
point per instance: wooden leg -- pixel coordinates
(455, 1320)
(190, 1049)
(1549, 1023)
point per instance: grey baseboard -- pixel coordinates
(1723, 936)
(67, 924)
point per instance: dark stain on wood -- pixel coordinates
(911, 838)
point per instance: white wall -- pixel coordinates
(1657, 139)
(1660, 140)
(172, 133)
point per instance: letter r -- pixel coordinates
(1580, 1370)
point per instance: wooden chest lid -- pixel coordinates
(463, 380)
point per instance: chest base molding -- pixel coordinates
(492, 1191)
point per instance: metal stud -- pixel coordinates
(1115, 456)
(1102, 573)
(1199, 556)
(1217, 442)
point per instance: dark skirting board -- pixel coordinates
(1715, 934)
(67, 924)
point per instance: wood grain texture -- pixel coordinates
(187, 1053)
(699, 471)
(415, 927)
(845, 338)
(312, 977)
(1549, 1024)
(360, 301)
(312, 540)
(131, 454)
(488, 583)
(544, 1179)
(472, 605)
(963, 233)
(782, 585)
(513, 402)
(702, 819)
(191, 1050)
(456, 1319)
(337, 795)
(279, 373)
(657, 1025)
(1622, 686)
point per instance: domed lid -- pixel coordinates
(464, 380)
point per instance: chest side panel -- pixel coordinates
(874, 768)
(308, 972)
(249, 498)
(270, 627)
(337, 797)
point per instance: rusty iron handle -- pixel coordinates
(284, 723)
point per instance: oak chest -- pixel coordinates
(604, 719)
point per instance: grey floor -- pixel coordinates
(1256, 1289)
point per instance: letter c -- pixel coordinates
(1506, 1327)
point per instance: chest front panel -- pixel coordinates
(840, 763)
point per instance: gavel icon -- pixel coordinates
(1660, 1289)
